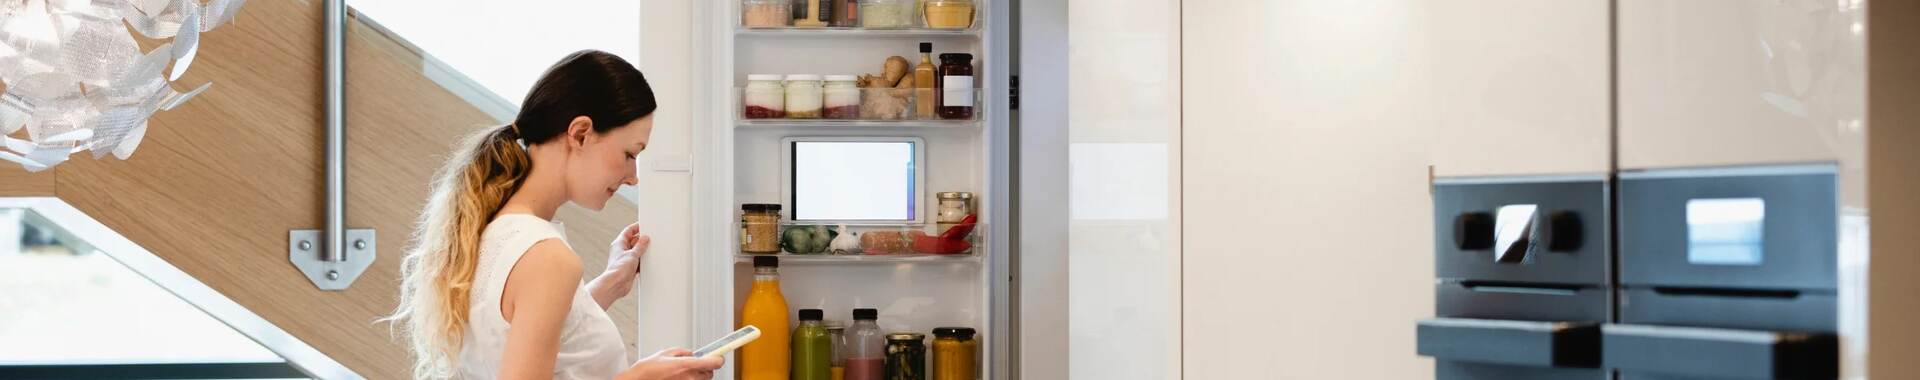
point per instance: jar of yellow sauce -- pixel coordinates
(955, 354)
(949, 14)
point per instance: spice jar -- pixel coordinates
(955, 354)
(906, 356)
(803, 97)
(949, 14)
(954, 208)
(812, 13)
(846, 13)
(765, 97)
(765, 13)
(956, 86)
(889, 14)
(842, 97)
(760, 228)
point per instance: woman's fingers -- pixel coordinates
(675, 352)
(628, 235)
(707, 365)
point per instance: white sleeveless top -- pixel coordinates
(590, 344)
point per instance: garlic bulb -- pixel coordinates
(846, 243)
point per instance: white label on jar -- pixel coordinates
(956, 91)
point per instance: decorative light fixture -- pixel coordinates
(76, 80)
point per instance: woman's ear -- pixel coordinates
(577, 131)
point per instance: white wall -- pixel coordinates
(1308, 241)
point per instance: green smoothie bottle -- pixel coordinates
(812, 347)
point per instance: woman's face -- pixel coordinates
(604, 161)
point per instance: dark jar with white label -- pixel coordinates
(956, 86)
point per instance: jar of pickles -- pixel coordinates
(804, 97)
(955, 354)
(764, 98)
(906, 356)
(760, 228)
(842, 97)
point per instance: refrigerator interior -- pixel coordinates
(913, 293)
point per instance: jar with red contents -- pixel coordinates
(764, 98)
(956, 86)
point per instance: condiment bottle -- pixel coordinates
(770, 357)
(812, 350)
(956, 86)
(846, 13)
(812, 13)
(866, 347)
(925, 80)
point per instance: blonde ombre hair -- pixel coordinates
(470, 188)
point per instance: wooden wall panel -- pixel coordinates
(219, 182)
(17, 182)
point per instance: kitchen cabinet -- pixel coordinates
(1734, 82)
(1520, 87)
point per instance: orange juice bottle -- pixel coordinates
(769, 357)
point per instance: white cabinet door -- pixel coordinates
(1520, 87)
(1732, 82)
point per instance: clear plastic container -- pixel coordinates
(766, 13)
(886, 104)
(804, 97)
(842, 98)
(949, 14)
(765, 97)
(889, 14)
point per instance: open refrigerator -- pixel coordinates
(740, 160)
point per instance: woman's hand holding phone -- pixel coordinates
(673, 364)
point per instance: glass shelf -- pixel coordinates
(788, 258)
(874, 107)
(822, 123)
(854, 32)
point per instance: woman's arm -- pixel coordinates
(538, 295)
(623, 266)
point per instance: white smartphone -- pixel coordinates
(728, 343)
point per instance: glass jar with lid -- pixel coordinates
(955, 354)
(760, 228)
(765, 13)
(889, 14)
(956, 86)
(949, 14)
(842, 97)
(804, 97)
(764, 98)
(906, 356)
(954, 208)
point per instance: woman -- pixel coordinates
(490, 290)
